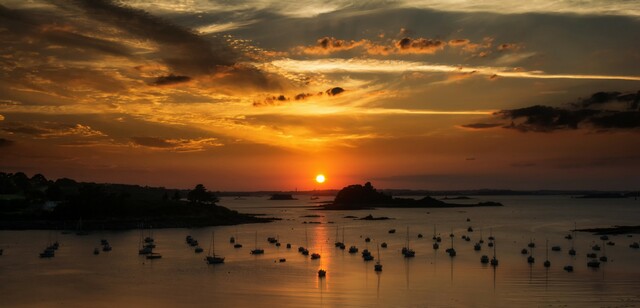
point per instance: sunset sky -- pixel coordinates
(260, 94)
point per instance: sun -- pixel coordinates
(320, 178)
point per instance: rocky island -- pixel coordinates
(360, 197)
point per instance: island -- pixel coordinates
(282, 197)
(361, 197)
(64, 204)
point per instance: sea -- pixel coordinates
(76, 277)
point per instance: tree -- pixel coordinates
(200, 195)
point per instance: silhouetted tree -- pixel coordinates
(200, 195)
(177, 196)
(53, 192)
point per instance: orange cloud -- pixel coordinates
(327, 45)
(419, 45)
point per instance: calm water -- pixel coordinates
(77, 278)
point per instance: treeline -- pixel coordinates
(24, 199)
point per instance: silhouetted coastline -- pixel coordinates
(64, 204)
(362, 197)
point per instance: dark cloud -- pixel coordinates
(171, 79)
(6, 143)
(334, 91)
(419, 45)
(152, 142)
(602, 98)
(581, 115)
(481, 125)
(35, 27)
(51, 129)
(181, 49)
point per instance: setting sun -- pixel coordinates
(320, 178)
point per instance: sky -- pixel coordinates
(264, 95)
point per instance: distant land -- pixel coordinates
(359, 197)
(39, 203)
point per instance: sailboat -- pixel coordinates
(572, 251)
(547, 263)
(451, 251)
(604, 258)
(257, 251)
(144, 249)
(494, 261)
(530, 258)
(406, 251)
(212, 258)
(236, 245)
(378, 266)
(337, 243)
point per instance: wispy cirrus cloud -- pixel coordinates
(376, 66)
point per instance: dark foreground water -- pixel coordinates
(77, 278)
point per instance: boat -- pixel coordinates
(451, 251)
(1, 251)
(315, 256)
(524, 251)
(568, 268)
(494, 260)
(595, 247)
(484, 259)
(547, 263)
(288, 246)
(96, 251)
(384, 245)
(593, 263)
(236, 245)
(256, 250)
(491, 238)
(367, 240)
(198, 249)
(530, 258)
(604, 258)
(366, 255)
(48, 253)
(556, 248)
(232, 240)
(469, 229)
(531, 244)
(572, 251)
(407, 251)
(392, 231)
(434, 233)
(153, 256)
(634, 245)
(211, 257)
(419, 235)
(322, 273)
(604, 238)
(378, 266)
(610, 243)
(337, 242)
(106, 248)
(435, 245)
(353, 249)
(592, 255)
(477, 247)
(282, 260)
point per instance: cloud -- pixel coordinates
(151, 142)
(419, 45)
(177, 145)
(580, 115)
(481, 125)
(6, 143)
(181, 49)
(334, 91)
(51, 130)
(327, 45)
(171, 79)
